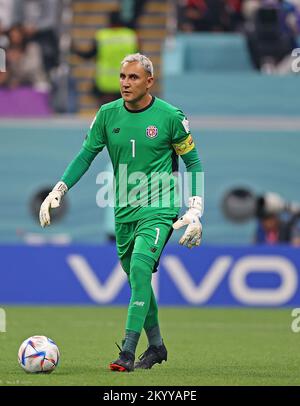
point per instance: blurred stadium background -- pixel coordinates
(228, 66)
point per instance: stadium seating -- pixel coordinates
(88, 16)
(199, 68)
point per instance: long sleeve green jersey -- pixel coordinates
(144, 146)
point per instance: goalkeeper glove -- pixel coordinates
(52, 201)
(193, 233)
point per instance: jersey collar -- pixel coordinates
(141, 110)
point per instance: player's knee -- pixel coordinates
(141, 271)
(139, 278)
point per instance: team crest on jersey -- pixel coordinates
(151, 131)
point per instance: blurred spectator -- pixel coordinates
(271, 230)
(191, 15)
(41, 19)
(209, 15)
(277, 221)
(24, 62)
(249, 8)
(278, 229)
(3, 38)
(10, 13)
(110, 46)
(131, 10)
(272, 33)
(63, 91)
(295, 231)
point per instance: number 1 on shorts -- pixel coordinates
(157, 235)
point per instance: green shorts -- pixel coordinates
(146, 236)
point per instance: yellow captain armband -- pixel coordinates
(184, 146)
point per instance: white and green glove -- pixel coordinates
(52, 201)
(193, 233)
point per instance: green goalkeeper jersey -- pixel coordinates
(143, 146)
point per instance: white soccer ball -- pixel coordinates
(38, 354)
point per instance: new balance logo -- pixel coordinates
(141, 304)
(116, 130)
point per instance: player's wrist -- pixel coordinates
(60, 187)
(196, 205)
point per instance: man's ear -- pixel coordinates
(150, 82)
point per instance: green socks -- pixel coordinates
(140, 282)
(151, 325)
(142, 310)
(131, 341)
(154, 337)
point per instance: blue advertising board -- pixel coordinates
(206, 276)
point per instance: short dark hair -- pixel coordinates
(115, 18)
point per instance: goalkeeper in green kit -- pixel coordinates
(144, 136)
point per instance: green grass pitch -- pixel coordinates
(207, 346)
